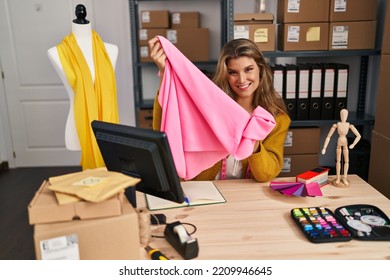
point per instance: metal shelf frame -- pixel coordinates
(226, 8)
(227, 33)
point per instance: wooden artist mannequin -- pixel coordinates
(343, 128)
(82, 30)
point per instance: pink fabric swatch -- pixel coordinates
(313, 189)
(296, 188)
(202, 123)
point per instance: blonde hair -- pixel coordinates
(265, 95)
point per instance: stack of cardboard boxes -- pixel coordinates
(183, 29)
(352, 24)
(308, 25)
(303, 25)
(380, 144)
(83, 230)
(258, 27)
(301, 151)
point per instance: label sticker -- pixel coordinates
(172, 36)
(313, 34)
(288, 142)
(143, 34)
(340, 6)
(176, 19)
(286, 165)
(144, 51)
(89, 181)
(293, 33)
(241, 31)
(60, 248)
(293, 6)
(145, 16)
(261, 35)
(340, 37)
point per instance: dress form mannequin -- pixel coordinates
(343, 128)
(82, 30)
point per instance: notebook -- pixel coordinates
(196, 192)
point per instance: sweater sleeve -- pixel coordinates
(157, 113)
(267, 164)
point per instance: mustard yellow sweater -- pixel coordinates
(265, 165)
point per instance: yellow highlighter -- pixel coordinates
(155, 254)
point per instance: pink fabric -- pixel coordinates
(203, 124)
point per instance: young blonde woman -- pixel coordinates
(244, 75)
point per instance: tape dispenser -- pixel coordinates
(178, 237)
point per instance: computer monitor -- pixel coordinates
(141, 153)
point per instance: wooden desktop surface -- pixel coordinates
(255, 223)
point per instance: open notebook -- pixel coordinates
(196, 192)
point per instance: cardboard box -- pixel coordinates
(302, 141)
(297, 164)
(185, 20)
(379, 160)
(303, 11)
(144, 54)
(145, 118)
(257, 27)
(145, 34)
(44, 208)
(353, 10)
(382, 120)
(303, 36)
(192, 42)
(386, 32)
(354, 35)
(154, 19)
(111, 238)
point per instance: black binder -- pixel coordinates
(278, 78)
(341, 88)
(328, 91)
(303, 92)
(290, 93)
(315, 91)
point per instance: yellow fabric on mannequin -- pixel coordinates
(92, 101)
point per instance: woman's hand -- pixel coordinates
(157, 54)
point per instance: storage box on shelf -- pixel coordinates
(378, 171)
(355, 10)
(302, 11)
(258, 27)
(301, 150)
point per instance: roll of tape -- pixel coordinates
(182, 233)
(144, 225)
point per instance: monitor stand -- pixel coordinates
(131, 197)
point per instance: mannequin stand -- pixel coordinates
(340, 184)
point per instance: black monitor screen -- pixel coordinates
(141, 153)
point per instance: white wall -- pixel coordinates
(3, 122)
(111, 20)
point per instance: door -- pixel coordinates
(37, 102)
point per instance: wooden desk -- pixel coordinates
(255, 223)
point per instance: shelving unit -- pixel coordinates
(358, 116)
(226, 8)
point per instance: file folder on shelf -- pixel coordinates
(278, 77)
(290, 96)
(328, 91)
(303, 92)
(341, 88)
(315, 91)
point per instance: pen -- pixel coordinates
(155, 254)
